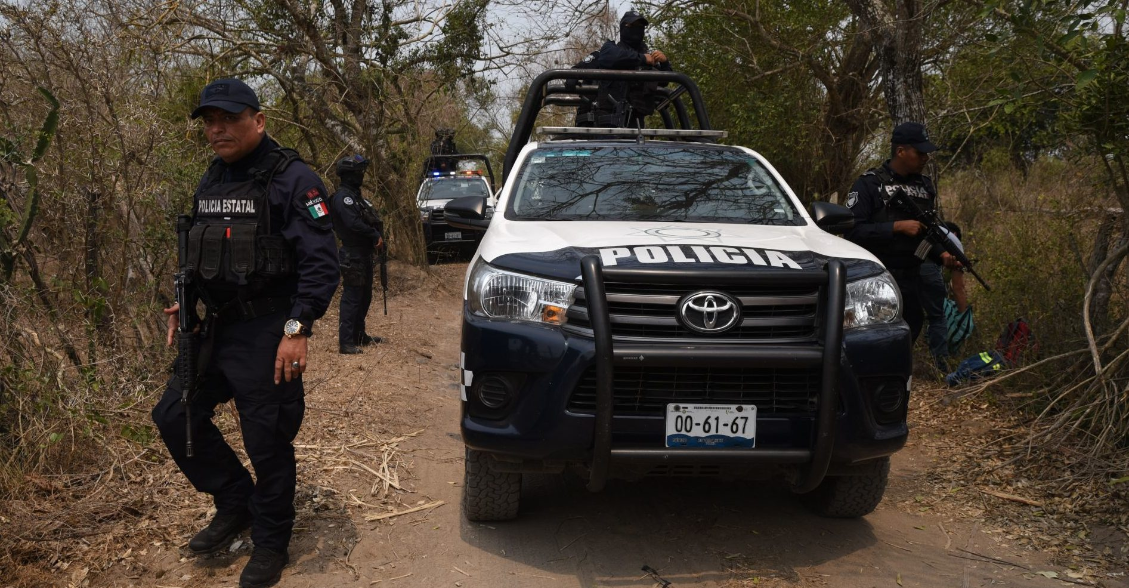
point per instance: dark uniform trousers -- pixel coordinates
(909, 282)
(932, 288)
(242, 367)
(356, 293)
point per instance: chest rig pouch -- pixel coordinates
(231, 244)
(886, 189)
(901, 245)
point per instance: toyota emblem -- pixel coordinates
(709, 312)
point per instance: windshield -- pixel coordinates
(649, 182)
(451, 188)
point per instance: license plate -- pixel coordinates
(453, 236)
(711, 425)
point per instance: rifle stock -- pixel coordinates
(937, 234)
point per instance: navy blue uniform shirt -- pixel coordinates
(310, 234)
(874, 219)
(350, 227)
(621, 56)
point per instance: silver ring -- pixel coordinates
(295, 365)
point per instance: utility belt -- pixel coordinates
(355, 264)
(238, 311)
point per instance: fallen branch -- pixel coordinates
(389, 515)
(1012, 497)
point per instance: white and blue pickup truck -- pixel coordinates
(648, 302)
(446, 178)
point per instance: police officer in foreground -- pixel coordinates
(890, 232)
(358, 226)
(630, 53)
(261, 250)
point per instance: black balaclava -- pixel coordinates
(632, 36)
(351, 171)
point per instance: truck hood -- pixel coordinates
(554, 248)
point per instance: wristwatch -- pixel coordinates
(293, 328)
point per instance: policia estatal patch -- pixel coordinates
(312, 206)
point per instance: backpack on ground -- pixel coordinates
(1013, 347)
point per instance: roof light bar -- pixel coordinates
(689, 134)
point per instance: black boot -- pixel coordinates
(219, 533)
(366, 339)
(264, 569)
(350, 350)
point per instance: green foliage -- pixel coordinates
(454, 56)
(140, 434)
(10, 153)
(777, 114)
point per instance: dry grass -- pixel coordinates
(106, 494)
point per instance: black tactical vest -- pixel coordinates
(232, 247)
(903, 247)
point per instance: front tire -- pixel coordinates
(489, 495)
(853, 496)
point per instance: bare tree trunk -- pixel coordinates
(847, 119)
(45, 297)
(97, 315)
(896, 36)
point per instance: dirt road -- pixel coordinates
(390, 418)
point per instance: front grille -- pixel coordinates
(437, 215)
(643, 391)
(770, 312)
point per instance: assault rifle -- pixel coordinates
(936, 233)
(188, 333)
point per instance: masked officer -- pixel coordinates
(358, 226)
(615, 98)
(444, 143)
(261, 249)
(893, 235)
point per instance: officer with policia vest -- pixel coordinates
(887, 228)
(258, 252)
(621, 103)
(358, 226)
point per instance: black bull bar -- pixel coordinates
(832, 278)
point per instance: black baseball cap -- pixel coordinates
(914, 135)
(227, 94)
(631, 16)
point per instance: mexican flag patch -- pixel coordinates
(318, 210)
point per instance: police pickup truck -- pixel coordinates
(445, 178)
(648, 302)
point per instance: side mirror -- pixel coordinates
(832, 218)
(468, 212)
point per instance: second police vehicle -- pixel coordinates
(445, 178)
(648, 302)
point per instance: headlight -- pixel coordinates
(500, 294)
(425, 214)
(872, 301)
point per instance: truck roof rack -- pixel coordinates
(692, 135)
(542, 93)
